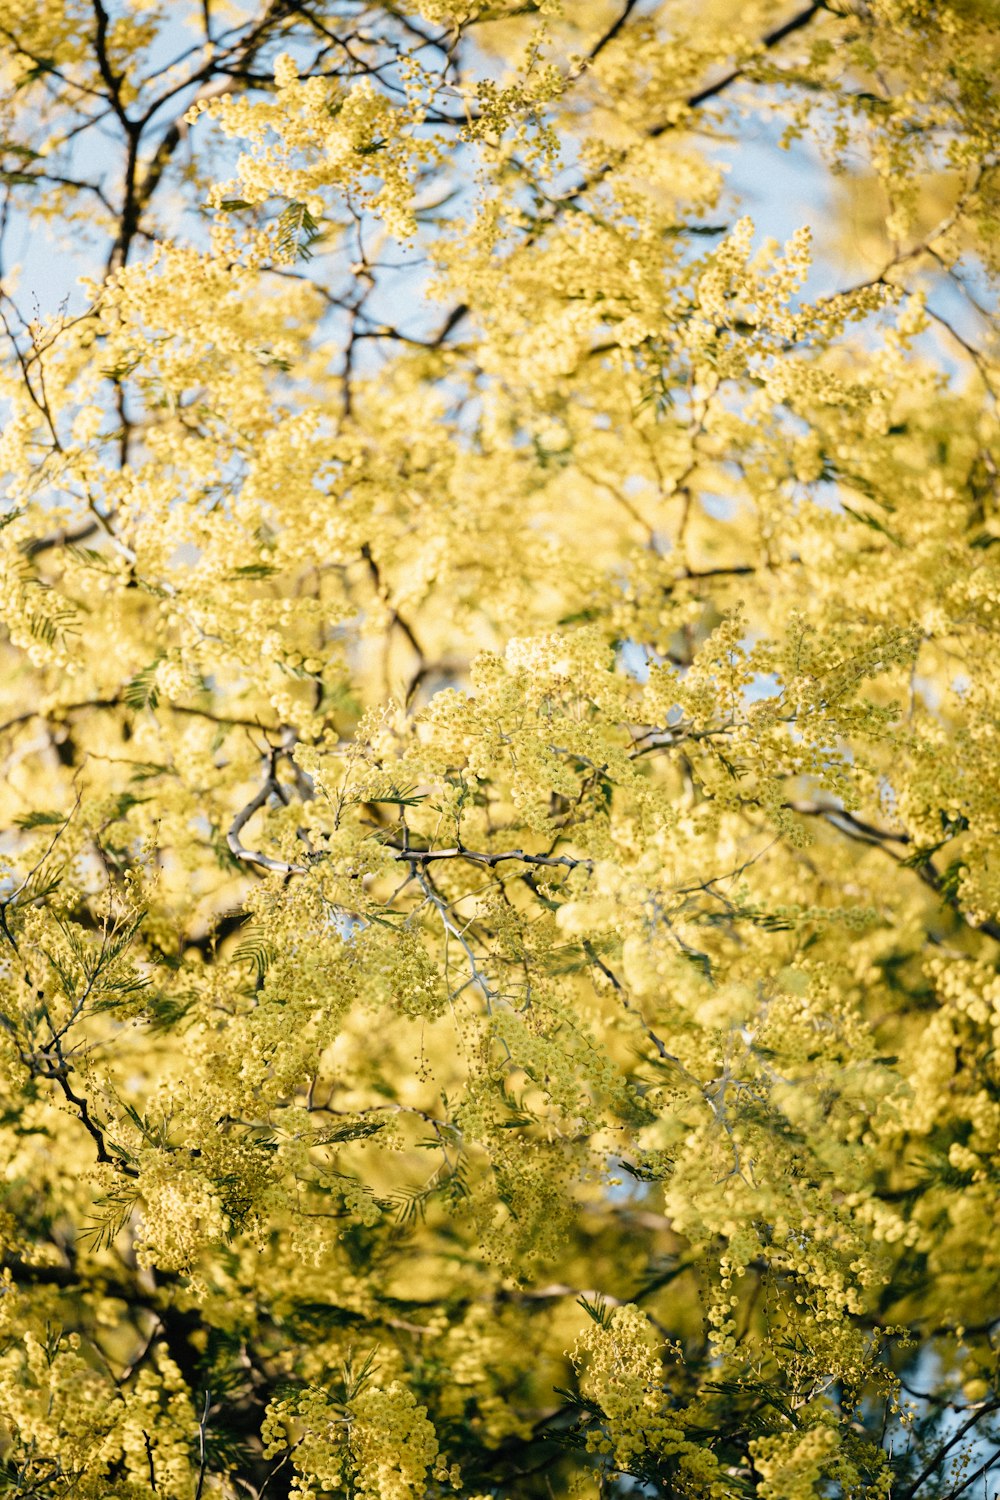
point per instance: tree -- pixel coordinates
(499, 719)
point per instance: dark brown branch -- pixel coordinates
(56, 713)
(202, 1453)
(612, 31)
(767, 43)
(880, 838)
(58, 1072)
(701, 96)
(837, 815)
(38, 398)
(619, 989)
(398, 620)
(112, 81)
(56, 180)
(985, 1410)
(984, 1468)
(475, 857)
(270, 788)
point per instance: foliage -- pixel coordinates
(499, 702)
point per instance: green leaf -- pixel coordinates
(255, 949)
(147, 770)
(355, 1379)
(163, 1012)
(141, 691)
(39, 885)
(699, 961)
(103, 1229)
(599, 1310)
(867, 519)
(39, 820)
(306, 1315)
(951, 879)
(405, 796)
(90, 557)
(297, 232)
(355, 1130)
